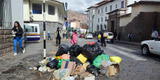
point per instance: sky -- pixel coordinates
(80, 5)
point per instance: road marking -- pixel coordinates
(135, 57)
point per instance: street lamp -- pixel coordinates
(44, 30)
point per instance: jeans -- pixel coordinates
(15, 41)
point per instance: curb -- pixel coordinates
(129, 43)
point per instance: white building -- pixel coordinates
(97, 13)
(55, 13)
(10, 11)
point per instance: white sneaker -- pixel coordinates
(15, 54)
(23, 51)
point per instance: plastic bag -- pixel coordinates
(75, 50)
(61, 73)
(52, 64)
(99, 59)
(92, 51)
(116, 59)
(63, 49)
(93, 70)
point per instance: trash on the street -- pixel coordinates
(65, 56)
(52, 64)
(76, 62)
(92, 51)
(99, 59)
(113, 70)
(116, 59)
(68, 65)
(82, 58)
(63, 49)
(75, 50)
(61, 73)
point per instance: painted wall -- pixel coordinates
(17, 11)
(136, 11)
(58, 17)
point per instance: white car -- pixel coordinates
(109, 36)
(89, 36)
(150, 46)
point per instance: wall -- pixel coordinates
(17, 11)
(58, 17)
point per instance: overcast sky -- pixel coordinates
(80, 5)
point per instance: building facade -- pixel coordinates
(98, 17)
(55, 13)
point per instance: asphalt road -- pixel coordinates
(134, 66)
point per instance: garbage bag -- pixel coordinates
(93, 70)
(116, 59)
(61, 73)
(52, 64)
(63, 49)
(99, 59)
(92, 51)
(74, 59)
(75, 50)
(60, 62)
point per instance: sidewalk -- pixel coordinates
(128, 43)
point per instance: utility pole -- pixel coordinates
(44, 30)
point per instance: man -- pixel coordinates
(155, 35)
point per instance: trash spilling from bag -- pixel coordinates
(80, 63)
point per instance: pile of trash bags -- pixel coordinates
(84, 63)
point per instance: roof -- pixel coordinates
(103, 2)
(126, 15)
(116, 10)
(100, 3)
(145, 2)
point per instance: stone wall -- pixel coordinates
(141, 26)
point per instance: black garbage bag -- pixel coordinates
(75, 50)
(92, 51)
(74, 59)
(63, 49)
(93, 70)
(53, 64)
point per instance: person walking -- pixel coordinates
(74, 38)
(49, 35)
(17, 32)
(58, 37)
(155, 35)
(103, 42)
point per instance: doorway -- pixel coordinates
(112, 26)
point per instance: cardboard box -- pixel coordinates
(78, 70)
(68, 65)
(113, 70)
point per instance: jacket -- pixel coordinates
(18, 32)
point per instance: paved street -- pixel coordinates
(134, 65)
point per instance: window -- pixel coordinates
(97, 27)
(51, 10)
(106, 9)
(101, 27)
(37, 8)
(98, 19)
(110, 7)
(102, 10)
(116, 6)
(105, 27)
(122, 4)
(101, 19)
(98, 11)
(106, 19)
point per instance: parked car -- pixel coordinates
(89, 36)
(81, 36)
(150, 46)
(109, 36)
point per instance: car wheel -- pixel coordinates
(145, 50)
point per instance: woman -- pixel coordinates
(58, 37)
(17, 31)
(74, 38)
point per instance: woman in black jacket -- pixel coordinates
(17, 31)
